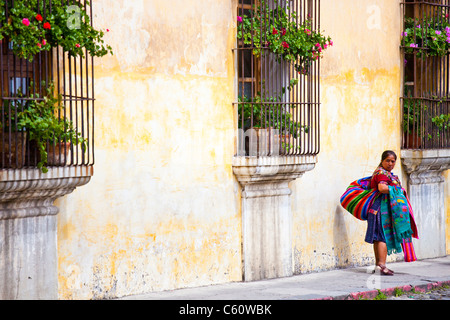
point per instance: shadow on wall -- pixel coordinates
(341, 244)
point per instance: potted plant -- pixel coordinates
(265, 115)
(39, 119)
(412, 115)
(276, 30)
(34, 26)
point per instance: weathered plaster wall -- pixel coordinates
(360, 118)
(447, 209)
(161, 210)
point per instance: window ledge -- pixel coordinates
(250, 170)
(426, 166)
(31, 193)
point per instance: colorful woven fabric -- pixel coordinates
(395, 218)
(408, 250)
(396, 212)
(358, 198)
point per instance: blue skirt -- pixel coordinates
(374, 227)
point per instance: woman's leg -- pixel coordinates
(380, 250)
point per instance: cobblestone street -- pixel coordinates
(442, 293)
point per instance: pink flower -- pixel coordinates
(77, 45)
(308, 32)
(107, 30)
(26, 22)
(44, 42)
(331, 43)
(39, 45)
(239, 18)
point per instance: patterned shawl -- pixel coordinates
(395, 218)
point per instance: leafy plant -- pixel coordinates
(264, 112)
(277, 30)
(412, 114)
(442, 121)
(67, 26)
(38, 118)
(380, 296)
(427, 36)
(398, 292)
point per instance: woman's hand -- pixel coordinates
(383, 188)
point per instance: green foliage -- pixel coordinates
(264, 112)
(38, 117)
(412, 114)
(398, 292)
(442, 121)
(66, 26)
(277, 30)
(430, 37)
(380, 296)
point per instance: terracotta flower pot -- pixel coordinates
(264, 142)
(411, 140)
(58, 155)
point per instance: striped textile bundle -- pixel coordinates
(358, 198)
(408, 250)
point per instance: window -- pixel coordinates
(425, 42)
(55, 85)
(278, 97)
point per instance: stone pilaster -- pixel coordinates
(266, 213)
(427, 195)
(28, 244)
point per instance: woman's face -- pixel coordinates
(388, 163)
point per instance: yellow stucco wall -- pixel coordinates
(161, 210)
(360, 118)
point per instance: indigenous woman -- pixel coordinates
(388, 229)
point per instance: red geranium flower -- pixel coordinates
(274, 31)
(39, 17)
(285, 44)
(47, 25)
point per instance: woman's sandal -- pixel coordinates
(382, 270)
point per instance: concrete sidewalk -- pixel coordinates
(351, 283)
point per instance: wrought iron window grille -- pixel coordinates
(425, 43)
(278, 101)
(55, 78)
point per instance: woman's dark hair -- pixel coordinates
(386, 154)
